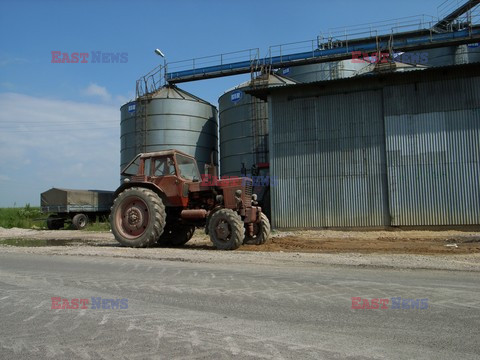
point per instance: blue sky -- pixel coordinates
(59, 123)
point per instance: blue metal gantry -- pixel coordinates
(460, 24)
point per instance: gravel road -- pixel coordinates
(200, 250)
(223, 310)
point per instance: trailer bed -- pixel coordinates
(58, 200)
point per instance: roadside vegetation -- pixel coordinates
(30, 217)
(99, 225)
(27, 217)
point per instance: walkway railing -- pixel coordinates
(409, 33)
(216, 65)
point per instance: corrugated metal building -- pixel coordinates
(397, 149)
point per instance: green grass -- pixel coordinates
(21, 217)
(30, 217)
(98, 226)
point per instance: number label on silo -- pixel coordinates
(236, 96)
(131, 107)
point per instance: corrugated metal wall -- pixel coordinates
(329, 160)
(400, 155)
(433, 152)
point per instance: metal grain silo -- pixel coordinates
(441, 56)
(323, 71)
(244, 127)
(128, 128)
(169, 118)
(473, 53)
(448, 55)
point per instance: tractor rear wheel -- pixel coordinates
(261, 232)
(137, 217)
(176, 235)
(80, 221)
(226, 229)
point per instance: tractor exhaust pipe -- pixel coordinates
(196, 214)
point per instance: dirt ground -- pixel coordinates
(313, 241)
(396, 242)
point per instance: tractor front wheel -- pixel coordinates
(261, 232)
(226, 229)
(137, 217)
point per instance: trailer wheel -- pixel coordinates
(80, 221)
(176, 235)
(137, 217)
(226, 229)
(54, 223)
(261, 232)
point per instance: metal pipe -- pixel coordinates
(194, 214)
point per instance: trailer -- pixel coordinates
(78, 207)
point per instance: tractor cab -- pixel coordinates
(163, 163)
(171, 171)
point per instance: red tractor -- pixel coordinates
(163, 199)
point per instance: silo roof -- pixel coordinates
(265, 80)
(174, 92)
(374, 80)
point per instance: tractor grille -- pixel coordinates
(248, 191)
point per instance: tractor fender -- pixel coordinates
(146, 185)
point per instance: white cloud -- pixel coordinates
(49, 142)
(120, 99)
(9, 60)
(7, 85)
(98, 91)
